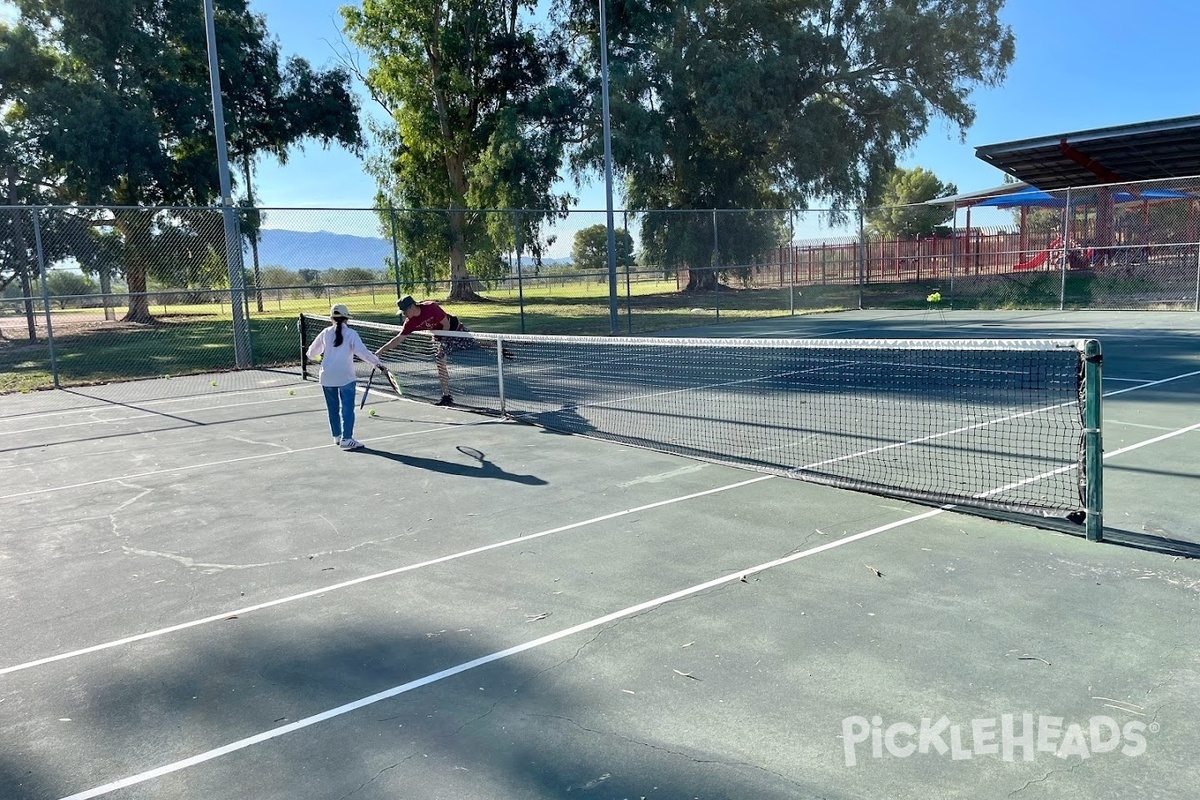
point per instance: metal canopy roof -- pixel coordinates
(1167, 148)
(972, 198)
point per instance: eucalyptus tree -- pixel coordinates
(760, 104)
(108, 104)
(481, 112)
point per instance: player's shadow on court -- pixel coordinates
(482, 468)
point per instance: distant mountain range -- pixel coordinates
(297, 250)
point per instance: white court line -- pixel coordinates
(498, 655)
(1155, 440)
(240, 459)
(801, 334)
(144, 415)
(1153, 383)
(1126, 423)
(102, 403)
(366, 578)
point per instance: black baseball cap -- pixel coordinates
(405, 303)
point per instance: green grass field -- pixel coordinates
(190, 338)
(198, 338)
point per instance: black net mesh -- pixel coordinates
(993, 424)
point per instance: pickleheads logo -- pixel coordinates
(1010, 737)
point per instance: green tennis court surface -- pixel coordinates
(205, 598)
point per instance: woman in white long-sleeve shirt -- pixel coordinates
(338, 345)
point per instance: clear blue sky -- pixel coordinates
(1079, 65)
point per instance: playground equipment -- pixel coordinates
(1039, 259)
(1077, 256)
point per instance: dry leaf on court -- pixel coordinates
(685, 674)
(878, 574)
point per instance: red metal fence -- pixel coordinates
(981, 252)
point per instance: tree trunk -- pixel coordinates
(253, 234)
(462, 285)
(135, 227)
(21, 253)
(27, 291)
(704, 278)
(106, 292)
(701, 280)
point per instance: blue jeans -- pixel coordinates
(341, 420)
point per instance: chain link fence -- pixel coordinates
(90, 295)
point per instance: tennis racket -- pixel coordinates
(367, 390)
(391, 379)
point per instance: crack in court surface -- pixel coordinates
(205, 567)
(210, 568)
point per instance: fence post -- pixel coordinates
(862, 254)
(41, 262)
(1066, 253)
(792, 261)
(954, 248)
(395, 248)
(953, 251)
(716, 273)
(1197, 305)
(628, 288)
(303, 347)
(520, 280)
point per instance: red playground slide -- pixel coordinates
(1040, 258)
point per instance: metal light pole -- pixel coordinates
(608, 178)
(233, 248)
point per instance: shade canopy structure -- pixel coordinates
(1027, 198)
(1159, 150)
(1036, 198)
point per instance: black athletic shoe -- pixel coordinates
(446, 400)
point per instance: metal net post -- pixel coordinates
(1093, 442)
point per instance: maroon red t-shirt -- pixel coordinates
(431, 318)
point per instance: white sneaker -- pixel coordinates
(350, 444)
